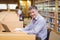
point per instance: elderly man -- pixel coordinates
(37, 25)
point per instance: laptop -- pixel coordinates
(6, 28)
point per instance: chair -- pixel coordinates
(48, 34)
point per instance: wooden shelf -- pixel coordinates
(52, 23)
(48, 9)
(52, 17)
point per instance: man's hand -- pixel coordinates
(17, 29)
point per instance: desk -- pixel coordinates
(12, 25)
(16, 36)
(54, 36)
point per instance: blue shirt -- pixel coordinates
(37, 27)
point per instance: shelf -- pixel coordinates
(52, 17)
(49, 17)
(52, 23)
(51, 11)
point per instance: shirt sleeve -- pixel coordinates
(27, 27)
(38, 27)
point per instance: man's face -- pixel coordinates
(33, 13)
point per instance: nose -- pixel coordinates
(31, 14)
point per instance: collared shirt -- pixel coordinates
(37, 27)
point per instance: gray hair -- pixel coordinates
(33, 7)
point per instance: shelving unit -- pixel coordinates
(51, 11)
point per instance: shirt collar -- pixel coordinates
(36, 18)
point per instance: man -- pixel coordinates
(19, 13)
(37, 25)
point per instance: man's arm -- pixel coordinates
(27, 27)
(37, 28)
